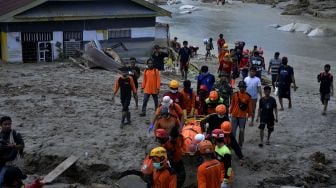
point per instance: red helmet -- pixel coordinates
(204, 87)
(245, 52)
(161, 133)
(217, 133)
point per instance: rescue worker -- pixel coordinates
(224, 50)
(173, 145)
(240, 109)
(175, 154)
(200, 105)
(166, 121)
(12, 143)
(223, 155)
(212, 102)
(134, 71)
(189, 98)
(209, 173)
(225, 65)
(215, 120)
(13, 177)
(224, 88)
(176, 96)
(173, 109)
(163, 175)
(126, 85)
(220, 43)
(230, 141)
(205, 78)
(150, 85)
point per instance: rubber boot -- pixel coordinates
(124, 114)
(128, 117)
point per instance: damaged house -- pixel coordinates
(45, 30)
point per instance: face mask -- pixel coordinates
(220, 116)
(173, 91)
(157, 166)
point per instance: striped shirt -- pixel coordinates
(275, 64)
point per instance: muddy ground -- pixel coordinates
(62, 110)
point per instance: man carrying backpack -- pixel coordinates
(326, 87)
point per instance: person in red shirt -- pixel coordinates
(163, 175)
(200, 105)
(220, 43)
(244, 64)
(210, 172)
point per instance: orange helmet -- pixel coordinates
(213, 95)
(226, 127)
(220, 109)
(161, 133)
(206, 147)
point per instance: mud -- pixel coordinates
(62, 110)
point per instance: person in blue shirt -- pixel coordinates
(205, 78)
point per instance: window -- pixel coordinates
(119, 33)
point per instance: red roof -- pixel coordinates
(7, 6)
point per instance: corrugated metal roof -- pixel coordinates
(85, 9)
(9, 9)
(7, 6)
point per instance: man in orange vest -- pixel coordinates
(150, 85)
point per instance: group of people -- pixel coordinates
(224, 112)
(11, 149)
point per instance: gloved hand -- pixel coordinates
(150, 128)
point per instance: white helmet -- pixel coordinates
(166, 101)
(199, 138)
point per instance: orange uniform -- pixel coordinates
(166, 124)
(164, 179)
(189, 99)
(174, 109)
(209, 174)
(117, 84)
(235, 110)
(151, 81)
(176, 149)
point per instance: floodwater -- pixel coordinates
(248, 22)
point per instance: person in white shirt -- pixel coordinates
(253, 84)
